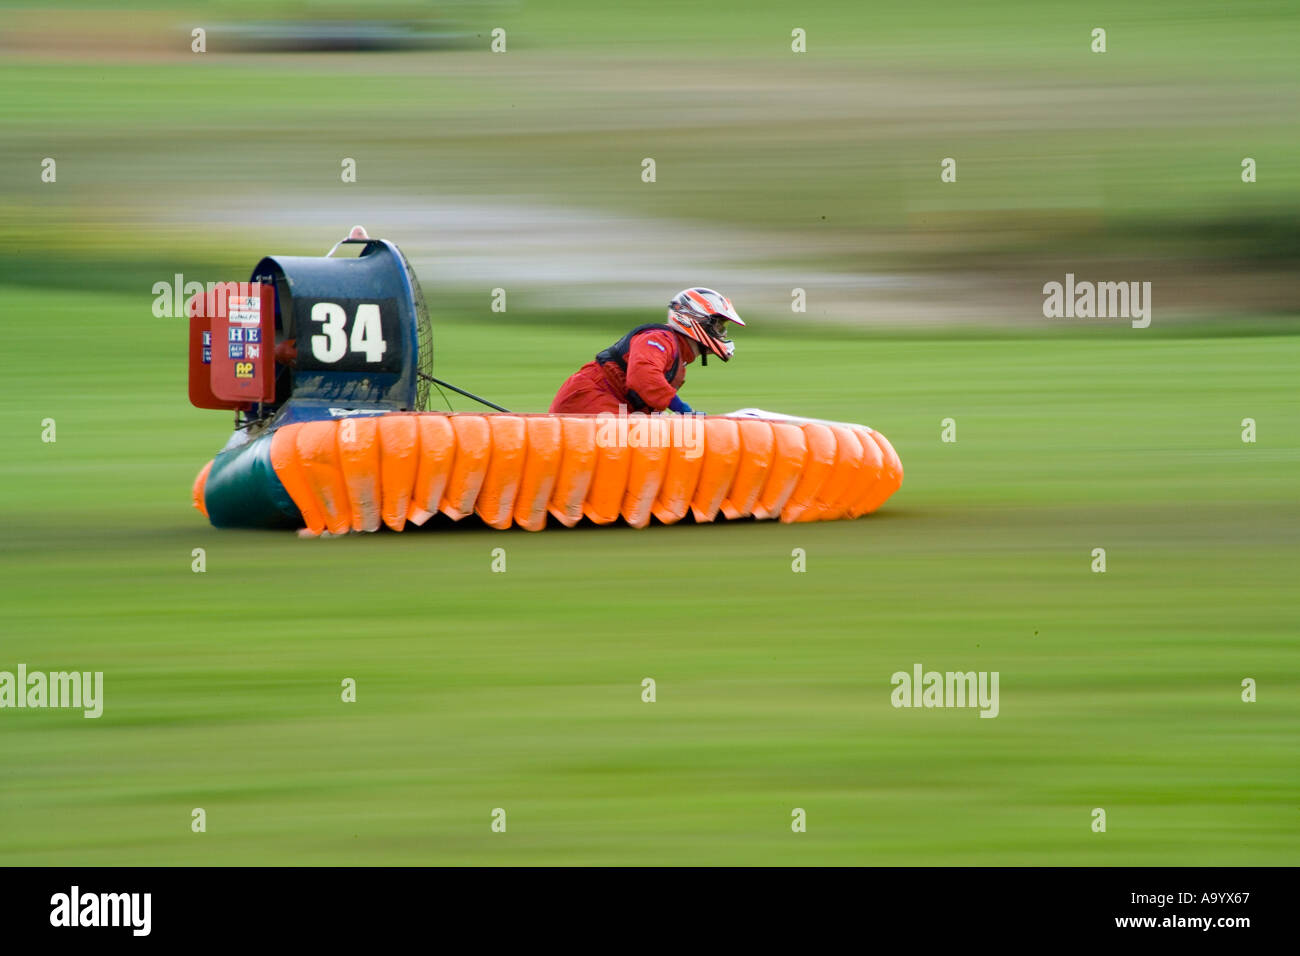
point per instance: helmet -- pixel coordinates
(702, 314)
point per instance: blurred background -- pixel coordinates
(774, 169)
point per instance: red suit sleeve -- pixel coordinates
(648, 361)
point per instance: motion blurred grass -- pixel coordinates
(522, 690)
(1064, 156)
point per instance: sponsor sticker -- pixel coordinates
(244, 309)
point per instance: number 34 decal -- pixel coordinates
(367, 333)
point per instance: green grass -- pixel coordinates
(522, 690)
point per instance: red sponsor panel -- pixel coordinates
(232, 346)
(242, 369)
(201, 356)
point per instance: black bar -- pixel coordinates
(979, 907)
(481, 401)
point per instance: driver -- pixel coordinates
(645, 368)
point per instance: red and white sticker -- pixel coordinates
(244, 309)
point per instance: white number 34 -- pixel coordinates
(367, 332)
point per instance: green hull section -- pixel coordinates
(243, 490)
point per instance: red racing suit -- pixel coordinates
(643, 371)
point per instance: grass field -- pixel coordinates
(522, 690)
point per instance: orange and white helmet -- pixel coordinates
(703, 314)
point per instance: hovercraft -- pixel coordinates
(341, 439)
